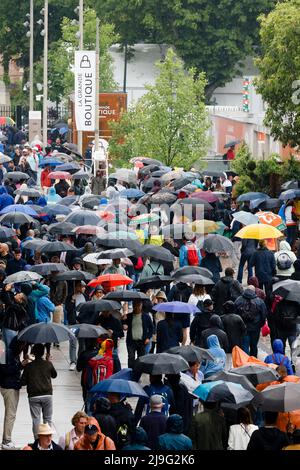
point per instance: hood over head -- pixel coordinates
(249, 293)
(215, 320)
(175, 424)
(26, 288)
(253, 281)
(140, 436)
(284, 246)
(277, 346)
(213, 342)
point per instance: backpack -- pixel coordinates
(248, 311)
(192, 254)
(99, 368)
(284, 261)
(122, 435)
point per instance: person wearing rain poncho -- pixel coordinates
(87, 193)
(218, 364)
(53, 198)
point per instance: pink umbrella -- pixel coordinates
(59, 175)
(207, 196)
(89, 230)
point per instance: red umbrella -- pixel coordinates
(59, 175)
(110, 280)
(207, 196)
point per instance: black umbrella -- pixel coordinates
(232, 143)
(146, 170)
(156, 252)
(148, 184)
(86, 330)
(268, 204)
(187, 270)
(45, 333)
(72, 148)
(289, 290)
(235, 378)
(117, 253)
(81, 174)
(162, 363)
(281, 398)
(70, 167)
(6, 233)
(194, 202)
(151, 161)
(30, 192)
(163, 197)
(83, 217)
(69, 200)
(90, 202)
(88, 312)
(58, 209)
(16, 218)
(256, 373)
(16, 176)
(61, 228)
(48, 268)
(181, 182)
(132, 245)
(192, 353)
(54, 247)
(153, 282)
(217, 244)
(158, 173)
(126, 296)
(74, 275)
(196, 279)
(251, 196)
(292, 184)
(34, 244)
(176, 231)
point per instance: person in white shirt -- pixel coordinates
(199, 295)
(79, 421)
(239, 434)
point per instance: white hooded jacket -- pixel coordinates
(285, 247)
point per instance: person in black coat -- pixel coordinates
(181, 292)
(248, 248)
(296, 275)
(215, 328)
(268, 437)
(169, 333)
(227, 288)
(233, 326)
(122, 413)
(183, 400)
(263, 260)
(107, 423)
(201, 322)
(155, 422)
(212, 262)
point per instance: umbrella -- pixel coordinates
(7, 121)
(256, 373)
(16, 218)
(108, 242)
(153, 282)
(73, 275)
(117, 253)
(72, 148)
(45, 333)
(81, 174)
(54, 247)
(232, 143)
(194, 202)
(267, 204)
(195, 279)
(69, 167)
(187, 270)
(59, 175)
(86, 330)
(6, 233)
(13, 208)
(292, 184)
(35, 244)
(289, 290)
(252, 195)
(22, 276)
(30, 192)
(163, 197)
(217, 244)
(258, 232)
(128, 176)
(192, 353)
(126, 296)
(183, 181)
(146, 161)
(144, 219)
(96, 306)
(156, 252)
(68, 200)
(111, 280)
(83, 217)
(269, 218)
(289, 194)
(58, 209)
(124, 387)
(230, 377)
(161, 363)
(16, 176)
(48, 268)
(132, 193)
(4, 158)
(207, 196)
(89, 230)
(93, 258)
(158, 173)
(227, 392)
(172, 175)
(62, 228)
(204, 226)
(176, 231)
(125, 374)
(176, 307)
(245, 218)
(48, 161)
(282, 397)
(91, 202)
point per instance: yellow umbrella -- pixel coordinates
(259, 232)
(204, 226)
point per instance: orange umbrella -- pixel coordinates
(269, 218)
(110, 280)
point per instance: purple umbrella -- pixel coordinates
(176, 307)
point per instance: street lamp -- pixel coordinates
(44, 33)
(29, 34)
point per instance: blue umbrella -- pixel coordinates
(125, 374)
(226, 392)
(124, 387)
(132, 193)
(19, 208)
(176, 307)
(49, 161)
(58, 209)
(289, 194)
(251, 196)
(63, 130)
(70, 167)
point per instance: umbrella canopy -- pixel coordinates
(111, 280)
(124, 387)
(48, 161)
(187, 270)
(16, 176)
(88, 312)
(72, 148)
(19, 208)
(192, 353)
(34, 244)
(207, 196)
(172, 175)
(59, 175)
(89, 230)
(45, 333)
(125, 374)
(62, 228)
(116, 253)
(123, 174)
(176, 231)
(93, 259)
(80, 175)
(22, 276)
(292, 184)
(132, 194)
(256, 373)
(230, 377)
(183, 181)
(126, 296)
(252, 195)
(232, 143)
(83, 217)
(58, 209)
(119, 242)
(16, 218)
(54, 247)
(195, 279)
(282, 398)
(217, 244)
(156, 252)
(161, 363)
(163, 197)
(259, 232)
(268, 204)
(227, 392)
(91, 202)
(4, 158)
(69, 167)
(68, 200)
(6, 121)
(153, 282)
(146, 161)
(204, 226)
(48, 268)
(85, 330)
(245, 218)
(73, 275)
(6, 232)
(269, 218)
(289, 290)
(289, 194)
(144, 219)
(195, 202)
(176, 307)
(30, 192)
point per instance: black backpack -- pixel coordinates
(248, 310)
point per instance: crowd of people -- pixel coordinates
(100, 260)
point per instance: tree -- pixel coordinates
(279, 68)
(214, 37)
(169, 122)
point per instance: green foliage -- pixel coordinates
(290, 170)
(211, 36)
(243, 162)
(279, 68)
(169, 122)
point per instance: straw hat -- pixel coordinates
(44, 430)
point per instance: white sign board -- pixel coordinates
(85, 90)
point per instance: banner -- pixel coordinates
(85, 90)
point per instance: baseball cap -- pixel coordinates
(90, 429)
